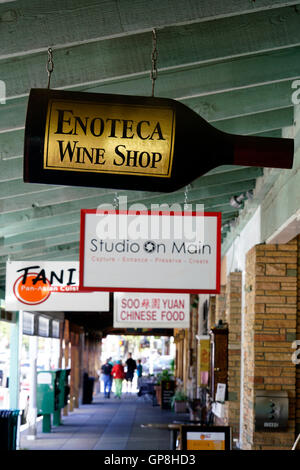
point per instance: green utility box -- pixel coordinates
(48, 395)
(64, 392)
(64, 387)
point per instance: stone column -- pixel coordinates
(211, 312)
(221, 305)
(233, 319)
(270, 329)
(298, 347)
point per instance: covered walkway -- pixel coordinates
(107, 425)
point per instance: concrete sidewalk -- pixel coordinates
(107, 425)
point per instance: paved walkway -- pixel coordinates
(107, 425)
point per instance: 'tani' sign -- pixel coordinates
(49, 286)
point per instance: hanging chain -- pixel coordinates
(186, 192)
(50, 65)
(116, 201)
(154, 55)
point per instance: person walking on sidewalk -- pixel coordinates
(106, 370)
(119, 376)
(131, 366)
(139, 372)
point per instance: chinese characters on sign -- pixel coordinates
(137, 310)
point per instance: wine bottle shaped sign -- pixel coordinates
(132, 142)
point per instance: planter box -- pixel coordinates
(180, 406)
(158, 394)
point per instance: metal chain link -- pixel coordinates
(49, 65)
(186, 192)
(116, 201)
(154, 56)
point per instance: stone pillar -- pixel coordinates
(270, 329)
(179, 341)
(221, 305)
(298, 338)
(211, 312)
(233, 319)
(193, 345)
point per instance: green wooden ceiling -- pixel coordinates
(232, 61)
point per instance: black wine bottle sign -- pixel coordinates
(132, 142)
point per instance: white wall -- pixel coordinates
(249, 236)
(236, 261)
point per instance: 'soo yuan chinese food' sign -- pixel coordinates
(140, 310)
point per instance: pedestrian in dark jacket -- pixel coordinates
(131, 366)
(106, 371)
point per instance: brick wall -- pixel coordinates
(233, 318)
(270, 329)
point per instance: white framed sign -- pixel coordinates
(44, 378)
(151, 310)
(220, 393)
(49, 286)
(126, 251)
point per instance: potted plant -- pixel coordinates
(179, 401)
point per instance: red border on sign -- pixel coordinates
(83, 288)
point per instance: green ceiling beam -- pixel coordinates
(212, 107)
(71, 253)
(260, 122)
(72, 198)
(237, 103)
(46, 223)
(9, 189)
(229, 75)
(240, 73)
(274, 133)
(39, 235)
(30, 247)
(202, 194)
(243, 174)
(35, 253)
(226, 38)
(196, 80)
(34, 25)
(11, 145)
(12, 169)
(51, 249)
(27, 194)
(13, 113)
(51, 197)
(58, 238)
(66, 251)
(69, 223)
